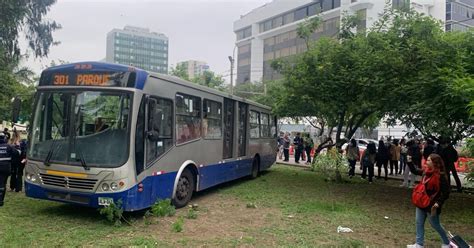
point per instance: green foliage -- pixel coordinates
(211, 80)
(177, 226)
(180, 71)
(405, 68)
(192, 214)
(163, 208)
(148, 218)
(26, 16)
(113, 213)
(330, 165)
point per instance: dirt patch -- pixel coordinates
(221, 220)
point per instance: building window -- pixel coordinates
(212, 119)
(188, 118)
(300, 14)
(244, 49)
(267, 25)
(254, 124)
(277, 22)
(288, 18)
(314, 9)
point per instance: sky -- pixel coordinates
(197, 29)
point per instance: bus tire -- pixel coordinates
(255, 168)
(184, 189)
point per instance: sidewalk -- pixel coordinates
(358, 171)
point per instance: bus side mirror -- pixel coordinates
(16, 107)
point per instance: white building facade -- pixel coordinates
(194, 68)
(269, 32)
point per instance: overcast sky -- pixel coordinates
(197, 29)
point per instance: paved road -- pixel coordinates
(303, 164)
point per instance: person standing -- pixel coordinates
(394, 156)
(7, 134)
(429, 148)
(437, 188)
(403, 156)
(382, 159)
(280, 143)
(18, 165)
(308, 146)
(298, 147)
(352, 154)
(286, 147)
(6, 152)
(449, 156)
(368, 161)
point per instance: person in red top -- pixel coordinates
(437, 188)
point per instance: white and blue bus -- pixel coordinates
(102, 132)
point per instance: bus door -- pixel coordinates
(242, 134)
(228, 128)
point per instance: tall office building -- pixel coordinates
(138, 47)
(459, 15)
(269, 32)
(194, 68)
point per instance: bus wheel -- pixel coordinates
(184, 189)
(255, 168)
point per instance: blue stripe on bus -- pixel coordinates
(154, 187)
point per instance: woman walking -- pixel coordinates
(352, 154)
(437, 188)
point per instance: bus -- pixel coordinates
(103, 133)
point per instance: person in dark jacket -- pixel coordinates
(6, 152)
(298, 147)
(415, 153)
(437, 188)
(368, 160)
(450, 156)
(382, 157)
(18, 165)
(429, 148)
(286, 147)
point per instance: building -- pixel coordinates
(459, 15)
(138, 47)
(194, 68)
(269, 32)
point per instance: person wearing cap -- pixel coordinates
(6, 153)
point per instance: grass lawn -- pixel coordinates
(284, 207)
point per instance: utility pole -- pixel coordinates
(231, 59)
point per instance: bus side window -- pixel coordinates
(139, 142)
(159, 135)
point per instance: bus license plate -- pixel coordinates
(105, 201)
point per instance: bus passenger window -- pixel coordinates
(212, 120)
(254, 124)
(159, 131)
(264, 126)
(188, 118)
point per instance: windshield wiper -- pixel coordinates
(76, 148)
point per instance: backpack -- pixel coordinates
(419, 197)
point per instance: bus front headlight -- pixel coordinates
(114, 186)
(31, 177)
(105, 187)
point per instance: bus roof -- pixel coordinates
(141, 77)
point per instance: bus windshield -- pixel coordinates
(74, 128)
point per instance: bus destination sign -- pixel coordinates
(103, 79)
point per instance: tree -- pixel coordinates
(180, 71)
(26, 16)
(211, 80)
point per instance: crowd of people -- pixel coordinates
(302, 147)
(12, 162)
(396, 156)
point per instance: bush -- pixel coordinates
(178, 225)
(469, 150)
(163, 208)
(330, 165)
(113, 213)
(192, 214)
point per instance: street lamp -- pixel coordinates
(231, 59)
